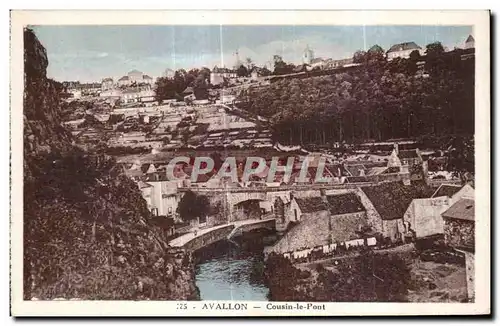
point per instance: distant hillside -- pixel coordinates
(404, 98)
(87, 230)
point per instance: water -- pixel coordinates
(232, 270)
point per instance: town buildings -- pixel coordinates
(218, 75)
(168, 73)
(142, 94)
(107, 83)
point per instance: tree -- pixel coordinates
(461, 156)
(265, 72)
(242, 71)
(249, 64)
(192, 206)
(367, 278)
(165, 88)
(434, 62)
(281, 67)
(415, 55)
(434, 49)
(359, 57)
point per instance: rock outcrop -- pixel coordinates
(87, 233)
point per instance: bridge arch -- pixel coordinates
(238, 197)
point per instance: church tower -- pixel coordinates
(237, 62)
(308, 56)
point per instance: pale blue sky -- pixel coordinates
(90, 53)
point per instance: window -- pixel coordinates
(170, 210)
(154, 211)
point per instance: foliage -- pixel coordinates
(192, 206)
(242, 71)
(367, 278)
(281, 67)
(461, 156)
(172, 88)
(378, 100)
(87, 230)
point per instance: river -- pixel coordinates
(230, 270)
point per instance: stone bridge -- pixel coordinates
(234, 198)
(205, 237)
(267, 195)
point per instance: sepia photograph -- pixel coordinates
(257, 168)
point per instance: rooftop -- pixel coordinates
(344, 204)
(446, 190)
(311, 204)
(404, 46)
(391, 200)
(411, 153)
(463, 209)
(376, 48)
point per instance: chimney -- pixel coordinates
(396, 148)
(361, 172)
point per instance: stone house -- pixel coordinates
(459, 223)
(423, 217)
(347, 218)
(387, 203)
(459, 229)
(306, 207)
(337, 219)
(160, 194)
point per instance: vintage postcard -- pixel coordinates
(250, 163)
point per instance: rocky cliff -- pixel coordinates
(87, 232)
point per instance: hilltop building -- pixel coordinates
(135, 77)
(308, 56)
(470, 42)
(376, 48)
(169, 73)
(403, 50)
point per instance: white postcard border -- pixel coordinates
(478, 19)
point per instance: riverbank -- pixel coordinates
(391, 275)
(233, 270)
